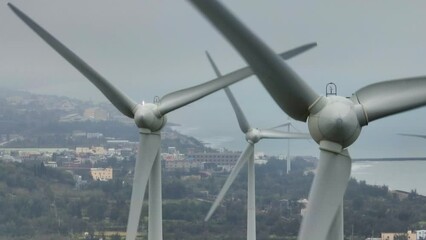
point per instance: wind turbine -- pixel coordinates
(253, 135)
(150, 119)
(289, 125)
(334, 122)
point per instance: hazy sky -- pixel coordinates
(150, 48)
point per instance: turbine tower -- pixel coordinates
(289, 125)
(253, 135)
(288, 168)
(334, 122)
(150, 119)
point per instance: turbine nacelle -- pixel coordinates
(147, 116)
(335, 119)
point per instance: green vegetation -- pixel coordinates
(42, 203)
(38, 203)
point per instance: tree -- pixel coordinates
(115, 236)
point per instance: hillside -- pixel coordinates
(45, 121)
(38, 202)
(44, 204)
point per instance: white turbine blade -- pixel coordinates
(124, 104)
(281, 125)
(336, 230)
(186, 96)
(240, 163)
(213, 64)
(390, 97)
(242, 120)
(296, 51)
(276, 134)
(326, 194)
(412, 135)
(148, 149)
(290, 92)
(285, 55)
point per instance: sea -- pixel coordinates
(397, 175)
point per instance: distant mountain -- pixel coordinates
(33, 120)
(183, 143)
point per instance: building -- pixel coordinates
(101, 174)
(96, 135)
(90, 151)
(220, 159)
(421, 234)
(393, 236)
(96, 114)
(82, 150)
(304, 202)
(51, 164)
(99, 150)
(73, 117)
(172, 155)
(181, 165)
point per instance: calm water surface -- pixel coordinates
(397, 175)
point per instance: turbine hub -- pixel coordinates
(253, 135)
(336, 121)
(146, 117)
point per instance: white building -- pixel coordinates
(421, 234)
(101, 174)
(180, 164)
(51, 164)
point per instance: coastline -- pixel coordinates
(396, 159)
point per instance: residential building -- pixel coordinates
(91, 135)
(99, 150)
(180, 164)
(51, 164)
(96, 114)
(101, 174)
(82, 150)
(90, 151)
(220, 159)
(172, 155)
(421, 234)
(392, 236)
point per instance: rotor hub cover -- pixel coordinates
(253, 135)
(146, 117)
(336, 121)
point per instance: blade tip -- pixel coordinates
(208, 55)
(311, 45)
(11, 6)
(209, 215)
